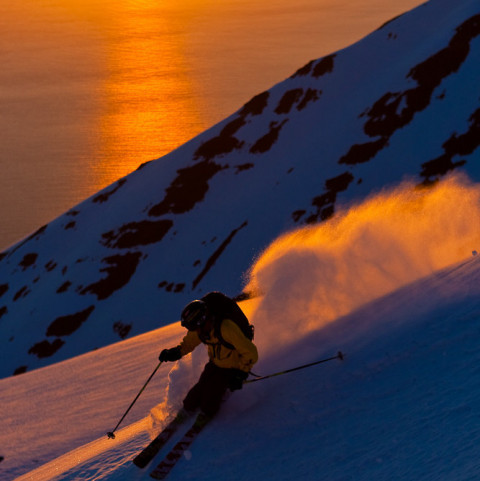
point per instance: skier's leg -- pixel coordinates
(193, 399)
(213, 389)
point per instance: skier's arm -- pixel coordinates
(245, 348)
(188, 344)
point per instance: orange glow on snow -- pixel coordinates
(313, 275)
(84, 453)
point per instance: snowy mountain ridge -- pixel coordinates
(403, 102)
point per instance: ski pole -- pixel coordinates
(110, 433)
(339, 355)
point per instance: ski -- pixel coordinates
(150, 451)
(170, 460)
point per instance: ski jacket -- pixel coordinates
(243, 357)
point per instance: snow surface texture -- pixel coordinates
(403, 102)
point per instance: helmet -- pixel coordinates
(194, 315)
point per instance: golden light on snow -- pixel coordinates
(84, 453)
(313, 275)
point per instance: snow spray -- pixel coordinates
(313, 275)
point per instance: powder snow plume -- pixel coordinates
(311, 276)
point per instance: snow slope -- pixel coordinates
(403, 102)
(402, 405)
(367, 282)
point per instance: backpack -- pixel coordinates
(223, 307)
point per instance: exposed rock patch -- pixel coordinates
(265, 143)
(120, 269)
(46, 348)
(463, 144)
(103, 197)
(28, 260)
(136, 234)
(188, 189)
(66, 325)
(122, 329)
(395, 110)
(214, 257)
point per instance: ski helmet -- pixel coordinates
(194, 315)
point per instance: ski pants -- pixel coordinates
(207, 394)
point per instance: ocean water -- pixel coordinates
(91, 89)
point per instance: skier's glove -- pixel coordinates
(237, 379)
(170, 355)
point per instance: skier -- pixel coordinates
(231, 353)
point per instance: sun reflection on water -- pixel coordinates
(148, 100)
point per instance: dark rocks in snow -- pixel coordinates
(360, 153)
(187, 189)
(103, 197)
(66, 325)
(172, 286)
(214, 257)
(3, 288)
(339, 183)
(325, 203)
(243, 167)
(222, 144)
(433, 169)
(396, 110)
(3, 311)
(463, 144)
(256, 105)
(289, 98)
(324, 66)
(46, 348)
(24, 291)
(64, 287)
(226, 142)
(50, 265)
(28, 260)
(298, 214)
(20, 370)
(316, 68)
(122, 329)
(311, 95)
(121, 269)
(136, 234)
(70, 225)
(35, 236)
(265, 143)
(305, 70)
(296, 96)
